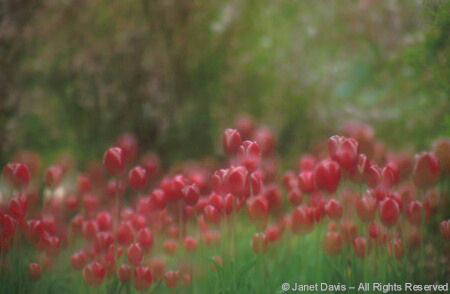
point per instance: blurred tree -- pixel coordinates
(176, 72)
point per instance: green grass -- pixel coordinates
(293, 259)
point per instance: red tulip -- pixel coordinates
(334, 209)
(158, 267)
(129, 145)
(191, 194)
(170, 246)
(250, 155)
(216, 200)
(171, 278)
(306, 182)
(256, 182)
(390, 175)
(22, 174)
(266, 140)
(374, 231)
(327, 175)
(307, 163)
(103, 240)
(229, 203)
(349, 230)
(125, 233)
(360, 246)
(231, 141)
(245, 126)
(211, 237)
(145, 238)
(35, 271)
(295, 197)
(187, 279)
(333, 243)
(273, 233)
(90, 229)
(426, 170)
(137, 178)
(124, 273)
(414, 212)
(190, 243)
(84, 184)
(135, 254)
(258, 207)
(302, 220)
(78, 260)
(366, 208)
(17, 174)
(54, 176)
(344, 151)
(152, 165)
(18, 209)
(236, 180)
(441, 148)
(273, 196)
(143, 278)
(212, 214)
(114, 160)
(104, 221)
(94, 273)
(389, 212)
(158, 199)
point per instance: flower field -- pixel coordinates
(350, 211)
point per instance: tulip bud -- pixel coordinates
(135, 254)
(129, 145)
(306, 182)
(137, 177)
(426, 170)
(295, 197)
(327, 176)
(171, 278)
(344, 151)
(54, 176)
(265, 138)
(389, 212)
(333, 243)
(190, 243)
(366, 208)
(143, 278)
(333, 209)
(124, 273)
(94, 273)
(191, 194)
(170, 246)
(302, 220)
(360, 246)
(212, 214)
(145, 238)
(258, 207)
(35, 271)
(236, 180)
(114, 160)
(231, 141)
(414, 211)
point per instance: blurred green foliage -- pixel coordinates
(76, 73)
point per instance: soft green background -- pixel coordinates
(75, 74)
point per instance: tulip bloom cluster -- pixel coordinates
(125, 220)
